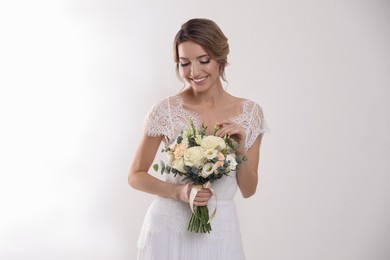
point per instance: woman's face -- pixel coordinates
(197, 67)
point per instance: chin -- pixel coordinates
(199, 88)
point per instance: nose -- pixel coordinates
(194, 69)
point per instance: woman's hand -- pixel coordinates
(235, 131)
(201, 199)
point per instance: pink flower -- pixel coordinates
(220, 156)
(180, 149)
(217, 165)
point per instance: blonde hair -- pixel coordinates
(207, 34)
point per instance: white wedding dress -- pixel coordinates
(164, 234)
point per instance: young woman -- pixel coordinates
(200, 53)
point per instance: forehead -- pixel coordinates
(190, 50)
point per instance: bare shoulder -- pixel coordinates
(236, 100)
(235, 103)
(246, 103)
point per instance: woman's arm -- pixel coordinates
(247, 176)
(140, 179)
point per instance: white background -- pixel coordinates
(78, 77)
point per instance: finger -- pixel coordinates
(201, 200)
(223, 130)
(228, 130)
(204, 195)
(221, 123)
(201, 203)
(205, 190)
(224, 122)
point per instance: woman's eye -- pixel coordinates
(184, 64)
(205, 61)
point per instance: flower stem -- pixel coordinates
(199, 220)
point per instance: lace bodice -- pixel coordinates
(168, 117)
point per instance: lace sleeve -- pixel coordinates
(158, 121)
(255, 123)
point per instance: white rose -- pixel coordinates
(208, 169)
(178, 164)
(194, 156)
(232, 161)
(212, 142)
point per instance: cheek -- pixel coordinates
(214, 72)
(183, 72)
(213, 68)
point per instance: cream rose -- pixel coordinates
(208, 169)
(171, 157)
(194, 156)
(178, 164)
(212, 142)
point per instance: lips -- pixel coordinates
(199, 81)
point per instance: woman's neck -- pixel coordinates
(209, 98)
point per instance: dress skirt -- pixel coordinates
(164, 234)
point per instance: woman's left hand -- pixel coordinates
(234, 130)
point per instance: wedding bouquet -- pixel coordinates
(200, 159)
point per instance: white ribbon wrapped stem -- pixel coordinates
(194, 191)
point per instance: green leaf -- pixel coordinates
(162, 164)
(155, 167)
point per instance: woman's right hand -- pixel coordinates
(201, 199)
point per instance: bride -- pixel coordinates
(200, 53)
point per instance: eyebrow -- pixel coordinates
(199, 57)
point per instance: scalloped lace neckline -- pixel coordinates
(197, 117)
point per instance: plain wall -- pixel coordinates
(78, 77)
